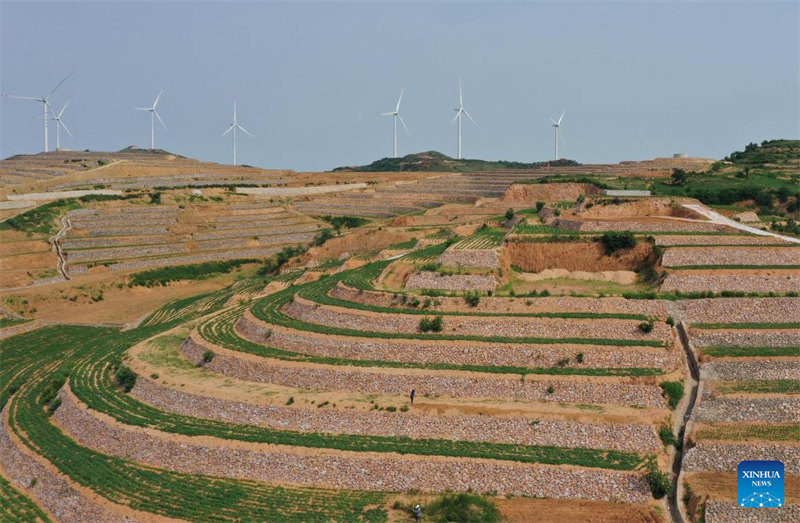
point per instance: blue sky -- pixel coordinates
(311, 78)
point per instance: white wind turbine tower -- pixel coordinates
(153, 116)
(459, 111)
(60, 123)
(395, 115)
(557, 129)
(235, 125)
(45, 104)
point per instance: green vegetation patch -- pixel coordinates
(753, 325)
(197, 271)
(16, 506)
(345, 222)
(744, 352)
(749, 432)
(6, 321)
(760, 387)
(464, 508)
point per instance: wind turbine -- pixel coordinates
(235, 125)
(395, 115)
(557, 129)
(45, 104)
(153, 116)
(60, 123)
(459, 111)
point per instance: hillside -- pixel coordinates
(769, 152)
(434, 161)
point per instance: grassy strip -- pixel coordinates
(760, 387)
(16, 506)
(753, 325)
(730, 267)
(744, 352)
(748, 432)
(197, 271)
(9, 322)
(220, 331)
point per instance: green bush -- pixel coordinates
(463, 507)
(659, 481)
(473, 298)
(670, 321)
(125, 377)
(646, 326)
(667, 437)
(431, 324)
(673, 390)
(197, 271)
(614, 241)
(208, 356)
(509, 214)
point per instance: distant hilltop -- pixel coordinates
(434, 161)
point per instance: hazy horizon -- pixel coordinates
(638, 79)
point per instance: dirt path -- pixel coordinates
(682, 417)
(66, 225)
(716, 217)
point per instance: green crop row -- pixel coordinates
(16, 506)
(72, 350)
(758, 325)
(748, 432)
(729, 267)
(745, 352)
(760, 387)
(220, 331)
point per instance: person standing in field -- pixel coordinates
(413, 393)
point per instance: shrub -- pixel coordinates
(667, 437)
(431, 324)
(207, 357)
(646, 326)
(509, 214)
(614, 241)
(290, 400)
(464, 508)
(125, 377)
(563, 362)
(473, 298)
(670, 321)
(659, 481)
(155, 197)
(673, 390)
(551, 389)
(579, 357)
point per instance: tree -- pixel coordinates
(678, 176)
(509, 214)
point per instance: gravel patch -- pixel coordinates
(456, 282)
(317, 377)
(738, 338)
(489, 326)
(678, 256)
(666, 240)
(474, 258)
(727, 512)
(761, 281)
(723, 457)
(750, 370)
(455, 352)
(742, 310)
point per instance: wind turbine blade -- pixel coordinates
(244, 131)
(460, 96)
(234, 110)
(158, 98)
(228, 130)
(24, 97)
(554, 122)
(62, 109)
(397, 109)
(47, 103)
(59, 84)
(159, 119)
(142, 109)
(562, 116)
(387, 114)
(470, 117)
(62, 124)
(458, 114)
(404, 124)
